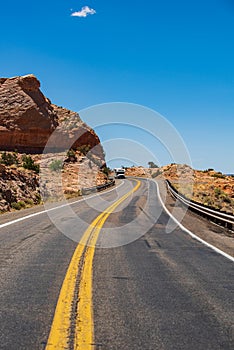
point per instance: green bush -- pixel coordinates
(217, 192)
(29, 201)
(152, 165)
(218, 176)
(106, 170)
(9, 158)
(29, 164)
(18, 205)
(208, 201)
(84, 149)
(56, 165)
(207, 170)
(71, 155)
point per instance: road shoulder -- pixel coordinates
(203, 228)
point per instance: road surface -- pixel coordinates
(130, 285)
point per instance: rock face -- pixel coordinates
(28, 120)
(26, 117)
(138, 171)
(21, 187)
(17, 186)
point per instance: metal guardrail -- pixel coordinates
(97, 188)
(212, 214)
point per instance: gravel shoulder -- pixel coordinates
(203, 228)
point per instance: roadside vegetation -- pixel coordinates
(16, 160)
(19, 181)
(207, 187)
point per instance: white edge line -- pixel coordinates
(51, 209)
(217, 250)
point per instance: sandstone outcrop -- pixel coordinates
(28, 120)
(31, 124)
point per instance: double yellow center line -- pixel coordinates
(72, 326)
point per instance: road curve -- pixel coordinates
(159, 291)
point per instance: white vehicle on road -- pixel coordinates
(119, 173)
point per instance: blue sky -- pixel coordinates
(176, 57)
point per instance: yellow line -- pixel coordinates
(84, 333)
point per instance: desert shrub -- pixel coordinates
(71, 155)
(22, 204)
(38, 198)
(207, 170)
(218, 175)
(29, 164)
(208, 201)
(9, 158)
(18, 205)
(217, 192)
(73, 194)
(84, 149)
(29, 201)
(56, 165)
(152, 165)
(106, 170)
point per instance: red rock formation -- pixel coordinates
(28, 120)
(26, 117)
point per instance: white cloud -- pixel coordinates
(84, 12)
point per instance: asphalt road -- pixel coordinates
(151, 289)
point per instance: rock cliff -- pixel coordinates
(31, 124)
(28, 120)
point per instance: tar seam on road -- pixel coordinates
(51, 209)
(83, 332)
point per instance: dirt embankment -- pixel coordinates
(32, 179)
